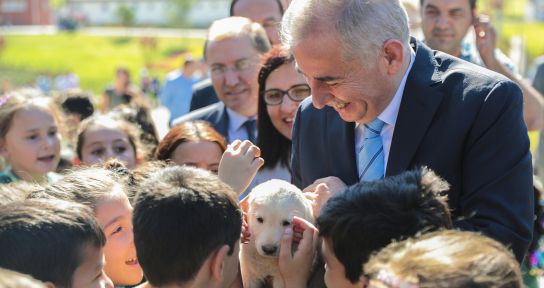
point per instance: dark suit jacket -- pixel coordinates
(464, 122)
(203, 95)
(216, 114)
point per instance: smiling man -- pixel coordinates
(383, 103)
(232, 52)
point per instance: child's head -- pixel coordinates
(193, 143)
(29, 135)
(448, 258)
(54, 241)
(100, 138)
(104, 192)
(187, 226)
(367, 216)
(12, 279)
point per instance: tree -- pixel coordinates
(126, 15)
(181, 9)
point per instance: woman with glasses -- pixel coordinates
(281, 88)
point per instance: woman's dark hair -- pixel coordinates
(274, 146)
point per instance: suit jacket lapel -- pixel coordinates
(420, 100)
(341, 138)
(222, 124)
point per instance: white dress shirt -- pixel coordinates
(388, 116)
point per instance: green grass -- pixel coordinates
(93, 58)
(532, 33)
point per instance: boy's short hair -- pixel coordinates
(46, 238)
(446, 258)
(367, 216)
(181, 216)
(12, 279)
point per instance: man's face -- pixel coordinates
(233, 69)
(335, 272)
(358, 94)
(265, 12)
(445, 23)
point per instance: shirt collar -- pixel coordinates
(236, 120)
(389, 115)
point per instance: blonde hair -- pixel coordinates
(13, 279)
(85, 186)
(17, 100)
(25, 98)
(446, 258)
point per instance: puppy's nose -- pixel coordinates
(269, 249)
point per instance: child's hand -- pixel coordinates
(295, 268)
(319, 192)
(239, 164)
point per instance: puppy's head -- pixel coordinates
(272, 206)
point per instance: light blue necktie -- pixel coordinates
(371, 163)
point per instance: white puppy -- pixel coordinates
(271, 207)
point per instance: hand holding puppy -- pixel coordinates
(239, 164)
(295, 267)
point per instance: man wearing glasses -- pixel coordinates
(232, 52)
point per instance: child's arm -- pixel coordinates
(239, 165)
(295, 267)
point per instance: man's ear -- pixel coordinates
(218, 262)
(393, 56)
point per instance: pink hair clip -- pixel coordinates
(4, 99)
(394, 282)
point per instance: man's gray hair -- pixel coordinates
(235, 27)
(362, 26)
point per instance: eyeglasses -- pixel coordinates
(219, 70)
(296, 93)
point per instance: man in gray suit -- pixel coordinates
(383, 102)
(232, 52)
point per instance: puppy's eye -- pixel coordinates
(285, 223)
(260, 219)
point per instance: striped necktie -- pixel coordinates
(371, 160)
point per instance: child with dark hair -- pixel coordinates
(187, 226)
(105, 192)
(367, 216)
(54, 241)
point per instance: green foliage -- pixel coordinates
(179, 12)
(93, 58)
(125, 15)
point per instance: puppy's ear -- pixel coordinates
(218, 262)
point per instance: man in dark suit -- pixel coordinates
(203, 95)
(232, 52)
(370, 82)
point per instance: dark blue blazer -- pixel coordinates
(461, 120)
(203, 95)
(216, 114)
